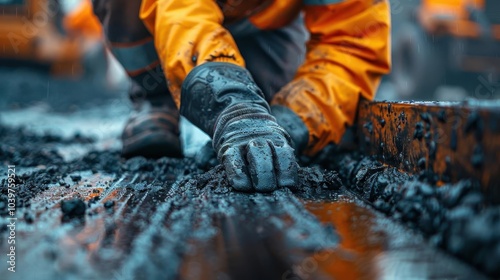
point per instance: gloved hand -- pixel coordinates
(224, 101)
(206, 157)
(294, 125)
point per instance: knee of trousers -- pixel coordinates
(131, 43)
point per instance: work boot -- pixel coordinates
(152, 130)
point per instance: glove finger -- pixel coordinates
(285, 165)
(260, 166)
(236, 171)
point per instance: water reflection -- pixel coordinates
(373, 247)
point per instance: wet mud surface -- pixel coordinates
(99, 216)
(455, 217)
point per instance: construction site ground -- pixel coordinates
(83, 212)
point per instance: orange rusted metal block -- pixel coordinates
(448, 141)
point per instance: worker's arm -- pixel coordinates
(347, 55)
(188, 33)
(206, 76)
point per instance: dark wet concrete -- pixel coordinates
(200, 229)
(167, 219)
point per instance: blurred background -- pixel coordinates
(51, 53)
(52, 56)
(444, 50)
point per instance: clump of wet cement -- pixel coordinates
(23, 148)
(455, 217)
(73, 209)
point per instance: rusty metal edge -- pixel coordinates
(446, 142)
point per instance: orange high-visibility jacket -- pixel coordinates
(347, 53)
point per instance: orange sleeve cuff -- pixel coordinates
(188, 33)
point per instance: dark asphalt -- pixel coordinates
(167, 219)
(85, 213)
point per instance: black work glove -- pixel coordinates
(206, 157)
(294, 125)
(223, 100)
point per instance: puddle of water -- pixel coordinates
(374, 247)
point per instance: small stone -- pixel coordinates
(75, 178)
(73, 209)
(109, 204)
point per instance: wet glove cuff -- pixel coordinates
(216, 87)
